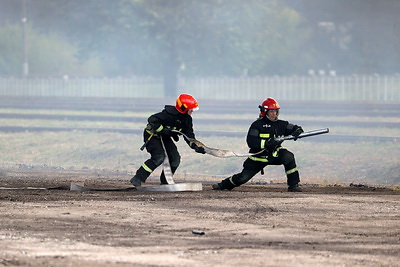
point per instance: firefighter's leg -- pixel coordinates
(156, 151)
(173, 156)
(286, 158)
(250, 168)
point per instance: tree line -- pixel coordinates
(198, 37)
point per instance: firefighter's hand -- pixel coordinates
(297, 132)
(272, 142)
(199, 149)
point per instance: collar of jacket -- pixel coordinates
(172, 110)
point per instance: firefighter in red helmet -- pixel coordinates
(160, 126)
(261, 135)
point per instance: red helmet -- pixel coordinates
(185, 102)
(268, 103)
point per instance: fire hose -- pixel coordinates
(223, 153)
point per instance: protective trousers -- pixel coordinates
(155, 148)
(252, 167)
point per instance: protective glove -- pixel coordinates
(272, 142)
(297, 132)
(200, 149)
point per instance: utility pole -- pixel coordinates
(25, 64)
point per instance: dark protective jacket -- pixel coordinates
(171, 119)
(262, 130)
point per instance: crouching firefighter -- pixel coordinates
(159, 127)
(261, 136)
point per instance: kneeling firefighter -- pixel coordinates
(160, 126)
(261, 135)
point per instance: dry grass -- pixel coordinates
(318, 162)
(365, 162)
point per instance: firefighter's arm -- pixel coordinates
(156, 125)
(294, 130)
(191, 139)
(258, 141)
(194, 144)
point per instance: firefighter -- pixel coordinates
(160, 126)
(261, 135)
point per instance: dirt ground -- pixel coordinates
(253, 225)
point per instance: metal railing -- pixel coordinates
(337, 88)
(362, 88)
(82, 87)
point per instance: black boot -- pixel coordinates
(136, 181)
(224, 185)
(295, 188)
(216, 187)
(140, 177)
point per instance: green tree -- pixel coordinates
(49, 55)
(216, 37)
(357, 36)
(174, 37)
(10, 50)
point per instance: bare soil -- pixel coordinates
(253, 225)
